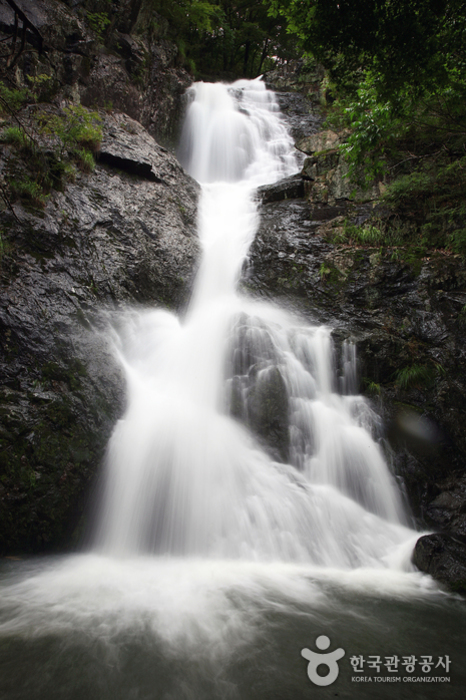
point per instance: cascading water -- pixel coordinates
(184, 477)
(247, 507)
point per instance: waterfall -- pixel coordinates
(247, 507)
(236, 442)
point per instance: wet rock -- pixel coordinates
(444, 558)
(447, 510)
(286, 255)
(257, 394)
(327, 185)
(111, 239)
(147, 85)
(298, 92)
(128, 146)
(299, 112)
(296, 76)
(267, 404)
(321, 141)
(288, 188)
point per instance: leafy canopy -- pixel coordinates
(225, 38)
(405, 42)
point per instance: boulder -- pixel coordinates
(321, 141)
(288, 188)
(444, 558)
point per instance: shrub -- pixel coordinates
(85, 160)
(18, 137)
(28, 189)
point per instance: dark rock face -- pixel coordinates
(128, 146)
(258, 396)
(444, 558)
(299, 94)
(297, 110)
(115, 237)
(288, 188)
(268, 411)
(448, 508)
(156, 97)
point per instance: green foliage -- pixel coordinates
(29, 190)
(400, 74)
(324, 271)
(85, 160)
(417, 376)
(11, 100)
(373, 130)
(430, 201)
(227, 38)
(47, 150)
(414, 376)
(372, 387)
(98, 22)
(39, 80)
(74, 127)
(372, 234)
(411, 43)
(457, 241)
(416, 146)
(16, 136)
(367, 235)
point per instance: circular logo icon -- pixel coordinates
(317, 659)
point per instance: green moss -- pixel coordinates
(98, 21)
(324, 271)
(331, 275)
(12, 99)
(431, 200)
(85, 160)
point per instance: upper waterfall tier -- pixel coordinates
(235, 132)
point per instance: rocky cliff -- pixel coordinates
(123, 234)
(102, 55)
(77, 243)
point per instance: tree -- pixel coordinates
(404, 42)
(226, 38)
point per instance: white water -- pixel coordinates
(183, 477)
(202, 530)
